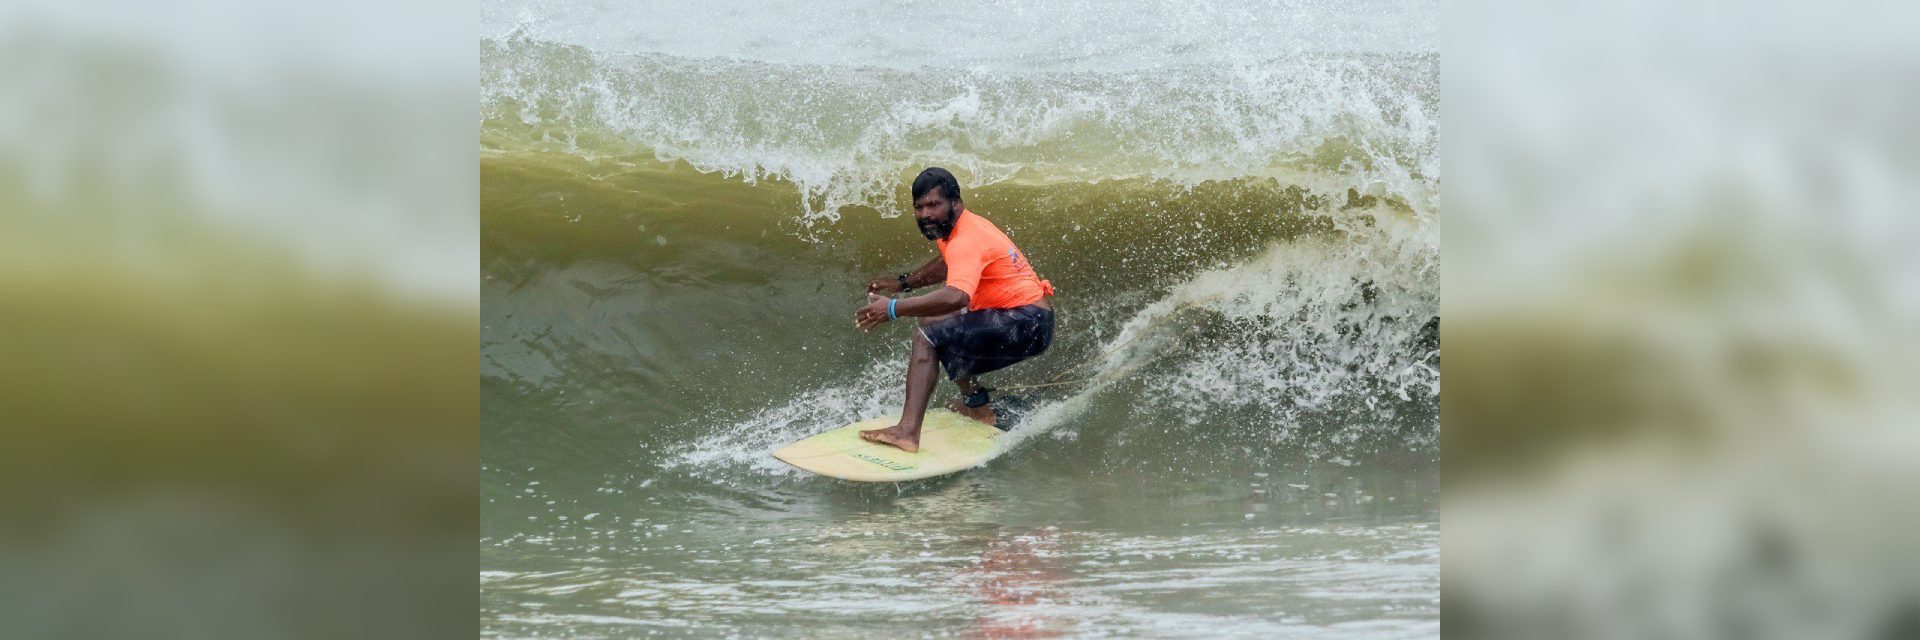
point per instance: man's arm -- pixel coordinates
(941, 302)
(938, 303)
(929, 274)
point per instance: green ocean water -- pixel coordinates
(1245, 443)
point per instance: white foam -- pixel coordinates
(746, 443)
(845, 135)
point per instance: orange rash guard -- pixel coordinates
(983, 262)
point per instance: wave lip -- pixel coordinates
(845, 136)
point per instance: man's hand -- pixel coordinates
(873, 314)
(884, 285)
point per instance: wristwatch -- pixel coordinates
(903, 283)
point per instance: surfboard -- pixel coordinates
(949, 442)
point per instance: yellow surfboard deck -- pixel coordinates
(949, 442)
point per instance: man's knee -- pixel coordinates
(922, 350)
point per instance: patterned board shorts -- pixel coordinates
(986, 340)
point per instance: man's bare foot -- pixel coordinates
(896, 435)
(983, 413)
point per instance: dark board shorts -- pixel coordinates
(986, 340)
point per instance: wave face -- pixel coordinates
(1254, 245)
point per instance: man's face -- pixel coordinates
(935, 214)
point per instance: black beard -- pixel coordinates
(937, 230)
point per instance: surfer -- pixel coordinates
(992, 311)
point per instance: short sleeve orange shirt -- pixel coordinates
(983, 262)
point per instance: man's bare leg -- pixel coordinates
(983, 413)
(923, 372)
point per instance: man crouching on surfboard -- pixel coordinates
(992, 312)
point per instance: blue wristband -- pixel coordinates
(890, 304)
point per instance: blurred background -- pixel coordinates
(238, 248)
(1679, 294)
(237, 320)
